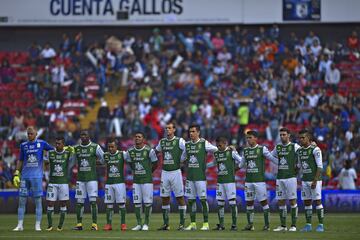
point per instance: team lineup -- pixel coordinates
(178, 154)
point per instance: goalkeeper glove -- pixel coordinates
(16, 179)
(71, 149)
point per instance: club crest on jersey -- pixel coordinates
(38, 145)
(258, 151)
(144, 154)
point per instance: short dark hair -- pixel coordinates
(307, 133)
(252, 133)
(221, 139)
(111, 140)
(284, 129)
(140, 132)
(196, 126)
(86, 131)
(60, 137)
(172, 123)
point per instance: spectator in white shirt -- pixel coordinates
(300, 68)
(313, 98)
(347, 177)
(316, 48)
(47, 53)
(332, 77)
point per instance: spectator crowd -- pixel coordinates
(226, 81)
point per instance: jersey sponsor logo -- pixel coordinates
(58, 171)
(222, 169)
(139, 169)
(32, 161)
(251, 167)
(168, 159)
(114, 171)
(85, 165)
(306, 168)
(283, 164)
(193, 162)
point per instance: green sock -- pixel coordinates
(182, 212)
(109, 214)
(62, 216)
(138, 214)
(79, 212)
(234, 213)
(94, 212)
(123, 214)
(266, 215)
(192, 206)
(147, 213)
(294, 215)
(250, 215)
(221, 214)
(165, 213)
(283, 213)
(320, 213)
(308, 214)
(205, 209)
(50, 212)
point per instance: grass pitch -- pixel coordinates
(337, 226)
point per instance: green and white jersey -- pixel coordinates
(141, 161)
(310, 160)
(60, 163)
(226, 162)
(86, 157)
(195, 155)
(172, 150)
(114, 167)
(255, 162)
(287, 161)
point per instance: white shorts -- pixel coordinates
(286, 188)
(115, 193)
(255, 190)
(171, 181)
(86, 188)
(225, 191)
(195, 188)
(143, 193)
(57, 192)
(311, 194)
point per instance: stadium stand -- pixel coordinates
(226, 81)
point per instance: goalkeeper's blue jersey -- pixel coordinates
(31, 154)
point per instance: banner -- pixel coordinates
(119, 12)
(341, 201)
(301, 10)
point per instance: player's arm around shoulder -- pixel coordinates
(154, 159)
